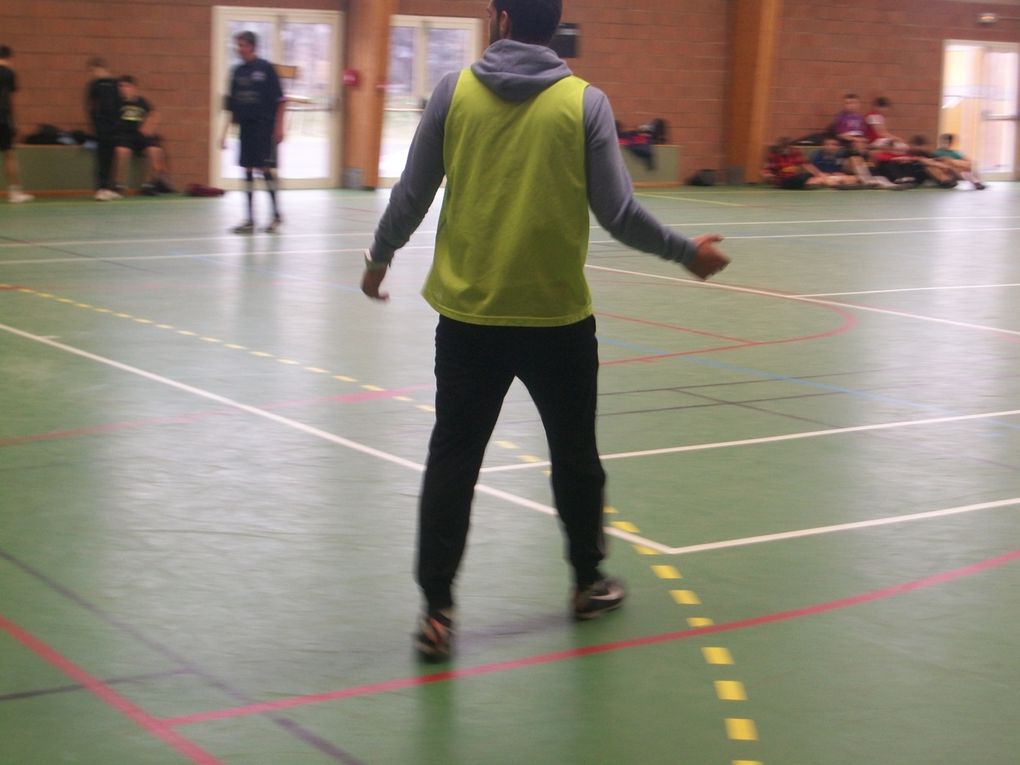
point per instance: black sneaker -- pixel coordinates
(245, 228)
(979, 186)
(149, 189)
(276, 223)
(594, 600)
(435, 635)
(163, 186)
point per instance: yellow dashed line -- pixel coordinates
(625, 526)
(700, 621)
(642, 550)
(717, 655)
(610, 509)
(739, 729)
(530, 458)
(238, 347)
(666, 572)
(685, 597)
(730, 690)
(746, 762)
(507, 445)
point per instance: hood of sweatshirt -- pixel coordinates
(516, 71)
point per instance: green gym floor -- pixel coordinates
(211, 446)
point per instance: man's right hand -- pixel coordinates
(709, 260)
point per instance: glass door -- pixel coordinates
(980, 89)
(305, 47)
(422, 50)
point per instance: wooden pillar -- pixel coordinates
(753, 38)
(367, 53)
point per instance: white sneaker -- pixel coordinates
(106, 195)
(17, 197)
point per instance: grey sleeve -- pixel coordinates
(610, 193)
(413, 195)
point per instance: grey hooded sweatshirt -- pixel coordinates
(517, 71)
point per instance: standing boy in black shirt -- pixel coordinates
(102, 103)
(9, 84)
(257, 105)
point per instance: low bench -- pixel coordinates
(58, 169)
(666, 171)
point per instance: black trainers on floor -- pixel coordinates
(598, 598)
(272, 227)
(435, 635)
(245, 228)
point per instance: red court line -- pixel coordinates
(576, 653)
(677, 327)
(133, 712)
(850, 321)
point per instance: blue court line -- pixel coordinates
(764, 375)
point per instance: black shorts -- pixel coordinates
(6, 135)
(257, 146)
(137, 142)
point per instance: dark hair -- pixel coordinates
(947, 137)
(531, 21)
(882, 102)
(5, 51)
(918, 140)
(249, 37)
(128, 79)
(97, 63)
(852, 95)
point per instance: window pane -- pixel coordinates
(447, 51)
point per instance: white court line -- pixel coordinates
(838, 234)
(307, 429)
(692, 199)
(911, 289)
(842, 527)
(770, 439)
(831, 234)
(803, 299)
(425, 232)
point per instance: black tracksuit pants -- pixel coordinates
(475, 366)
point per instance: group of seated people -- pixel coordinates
(859, 152)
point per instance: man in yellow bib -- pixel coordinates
(525, 148)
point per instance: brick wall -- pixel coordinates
(166, 45)
(872, 48)
(654, 58)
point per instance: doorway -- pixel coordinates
(422, 50)
(980, 91)
(305, 47)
